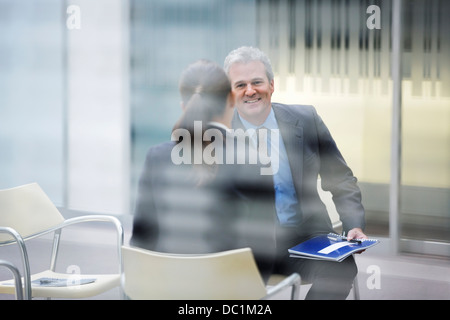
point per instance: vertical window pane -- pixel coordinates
(32, 95)
(426, 114)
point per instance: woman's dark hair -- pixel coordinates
(204, 89)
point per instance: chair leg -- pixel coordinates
(356, 288)
(17, 278)
(56, 238)
(26, 264)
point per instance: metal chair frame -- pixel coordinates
(56, 241)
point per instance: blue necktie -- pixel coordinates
(263, 137)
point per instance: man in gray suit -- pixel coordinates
(306, 150)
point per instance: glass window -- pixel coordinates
(341, 67)
(80, 108)
(63, 102)
(166, 36)
(32, 96)
(325, 54)
(425, 205)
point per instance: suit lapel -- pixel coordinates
(292, 135)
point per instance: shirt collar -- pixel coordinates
(269, 123)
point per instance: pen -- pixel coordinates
(344, 238)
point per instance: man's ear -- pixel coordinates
(230, 101)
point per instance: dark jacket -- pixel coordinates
(174, 214)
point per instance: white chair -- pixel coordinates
(224, 275)
(327, 200)
(26, 213)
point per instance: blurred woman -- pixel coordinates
(191, 197)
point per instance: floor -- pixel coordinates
(382, 276)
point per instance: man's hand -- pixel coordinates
(356, 233)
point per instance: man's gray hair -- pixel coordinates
(248, 54)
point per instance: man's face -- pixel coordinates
(251, 91)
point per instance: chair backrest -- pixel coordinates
(28, 210)
(327, 199)
(225, 275)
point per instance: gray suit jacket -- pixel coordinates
(312, 152)
(174, 214)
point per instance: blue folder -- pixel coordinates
(330, 247)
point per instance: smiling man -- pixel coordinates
(252, 91)
(306, 150)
